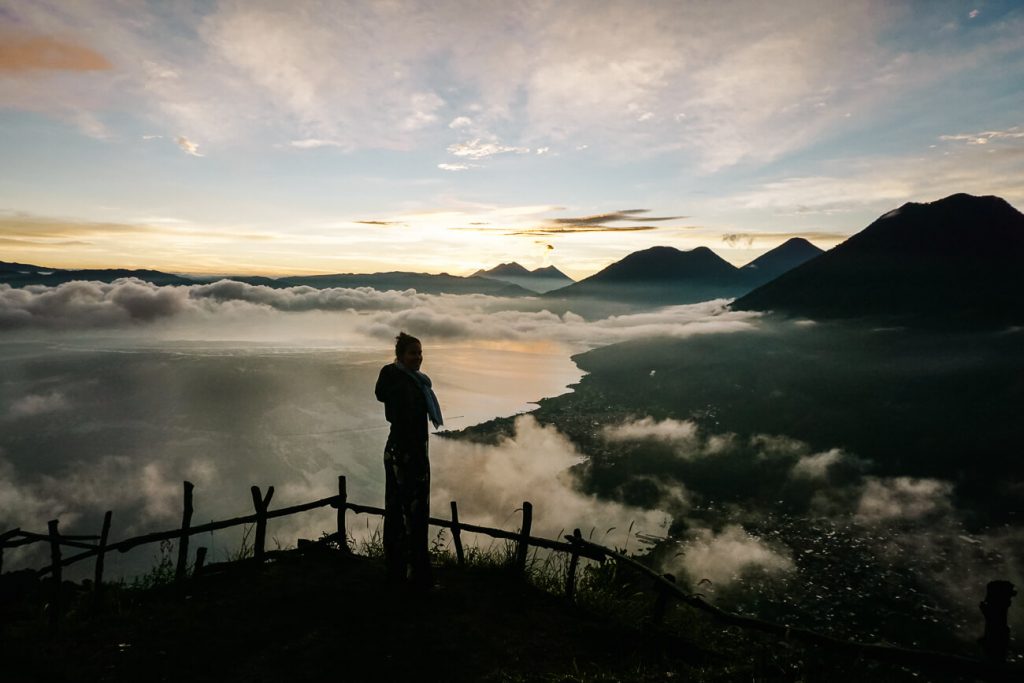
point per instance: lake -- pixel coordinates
(92, 424)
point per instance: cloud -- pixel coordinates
(82, 304)
(187, 146)
(984, 137)
(449, 322)
(722, 557)
(22, 53)
(689, 443)
(584, 224)
(293, 299)
(455, 167)
(42, 228)
(491, 482)
(382, 223)
(597, 223)
(89, 124)
(37, 404)
(879, 182)
(816, 466)
(903, 498)
(615, 216)
(827, 194)
(734, 238)
(749, 76)
(368, 312)
(20, 502)
(37, 245)
(478, 148)
(564, 230)
(423, 112)
(749, 238)
(145, 488)
(141, 237)
(87, 304)
(668, 430)
(314, 143)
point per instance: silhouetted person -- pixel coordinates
(408, 402)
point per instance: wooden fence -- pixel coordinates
(994, 642)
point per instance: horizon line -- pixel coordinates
(276, 275)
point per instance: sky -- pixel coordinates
(221, 137)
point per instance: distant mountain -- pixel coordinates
(19, 268)
(539, 280)
(958, 261)
(20, 275)
(421, 282)
(247, 279)
(783, 258)
(503, 270)
(660, 276)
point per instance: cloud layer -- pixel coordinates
(491, 482)
(131, 302)
(722, 557)
(746, 82)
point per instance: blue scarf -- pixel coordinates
(433, 407)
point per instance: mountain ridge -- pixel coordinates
(773, 263)
(658, 275)
(957, 260)
(666, 275)
(538, 281)
(20, 275)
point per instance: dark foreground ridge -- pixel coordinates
(327, 614)
(318, 613)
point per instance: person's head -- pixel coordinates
(408, 351)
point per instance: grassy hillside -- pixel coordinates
(311, 616)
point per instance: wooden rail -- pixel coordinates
(17, 537)
(994, 608)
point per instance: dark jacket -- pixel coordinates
(405, 407)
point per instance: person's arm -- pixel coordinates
(383, 387)
(387, 391)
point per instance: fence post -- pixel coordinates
(995, 607)
(200, 561)
(57, 576)
(3, 542)
(661, 601)
(186, 522)
(261, 504)
(457, 535)
(101, 552)
(524, 541)
(574, 560)
(342, 509)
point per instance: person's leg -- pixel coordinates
(395, 537)
(419, 517)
